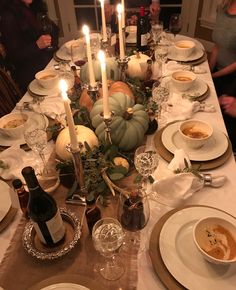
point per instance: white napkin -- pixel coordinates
(51, 106)
(172, 66)
(174, 189)
(15, 159)
(178, 108)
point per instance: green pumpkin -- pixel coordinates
(129, 123)
(111, 68)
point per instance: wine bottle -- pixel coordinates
(142, 31)
(22, 195)
(43, 211)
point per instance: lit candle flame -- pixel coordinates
(119, 9)
(63, 88)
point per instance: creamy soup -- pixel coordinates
(183, 78)
(183, 46)
(219, 243)
(14, 123)
(194, 132)
(46, 77)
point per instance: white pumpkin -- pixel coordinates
(137, 66)
(84, 134)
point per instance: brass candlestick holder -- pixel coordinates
(79, 196)
(123, 65)
(93, 91)
(107, 122)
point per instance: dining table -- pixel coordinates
(147, 269)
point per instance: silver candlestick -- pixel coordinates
(93, 91)
(79, 196)
(107, 122)
(123, 65)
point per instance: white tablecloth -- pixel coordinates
(223, 198)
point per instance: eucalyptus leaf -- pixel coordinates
(116, 176)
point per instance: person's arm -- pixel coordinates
(18, 49)
(225, 71)
(228, 104)
(213, 57)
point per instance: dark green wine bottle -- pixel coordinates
(43, 211)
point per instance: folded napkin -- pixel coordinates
(172, 66)
(175, 188)
(51, 106)
(12, 161)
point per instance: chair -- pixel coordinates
(9, 93)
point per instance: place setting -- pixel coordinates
(187, 52)
(214, 152)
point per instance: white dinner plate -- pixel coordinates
(65, 286)
(183, 260)
(197, 90)
(63, 54)
(196, 54)
(5, 199)
(36, 118)
(35, 88)
(214, 147)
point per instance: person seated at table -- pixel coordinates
(22, 36)
(110, 11)
(228, 106)
(223, 56)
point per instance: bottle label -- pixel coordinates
(55, 227)
(144, 39)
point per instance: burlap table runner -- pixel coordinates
(19, 271)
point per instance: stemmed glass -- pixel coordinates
(36, 138)
(175, 23)
(133, 214)
(146, 161)
(46, 26)
(156, 30)
(108, 237)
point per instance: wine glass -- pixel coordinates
(108, 237)
(46, 26)
(175, 23)
(36, 138)
(156, 30)
(133, 214)
(146, 161)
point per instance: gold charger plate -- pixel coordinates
(204, 165)
(76, 279)
(154, 251)
(196, 61)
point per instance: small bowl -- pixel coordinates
(184, 47)
(210, 234)
(47, 78)
(15, 123)
(195, 133)
(183, 80)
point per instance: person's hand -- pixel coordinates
(155, 9)
(228, 104)
(44, 41)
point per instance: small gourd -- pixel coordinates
(137, 66)
(129, 123)
(83, 133)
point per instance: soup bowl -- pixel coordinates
(184, 48)
(195, 133)
(47, 78)
(12, 125)
(215, 239)
(183, 80)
